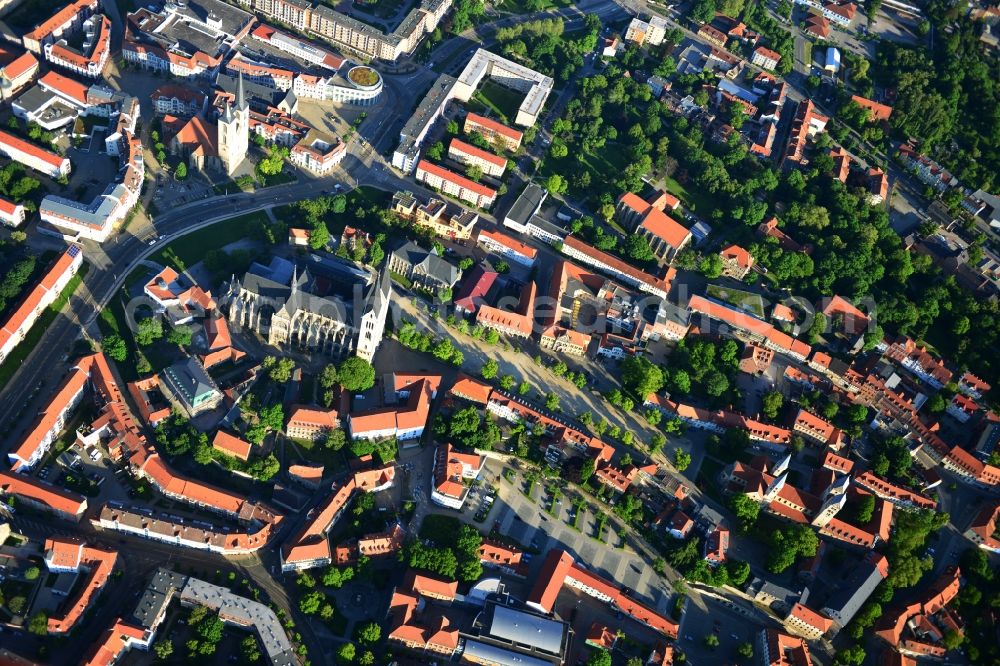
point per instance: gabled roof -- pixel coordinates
(493, 125)
(232, 445)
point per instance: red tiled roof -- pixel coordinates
(744, 321)
(491, 124)
(20, 65)
(232, 445)
(768, 53)
(51, 496)
(475, 151)
(811, 617)
(457, 179)
(878, 111)
(60, 18)
(69, 87)
(737, 254)
(471, 389)
(660, 283)
(101, 563)
(510, 242)
(16, 143)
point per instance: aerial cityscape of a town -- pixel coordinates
(500, 332)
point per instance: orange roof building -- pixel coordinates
(507, 246)
(451, 469)
(404, 421)
(658, 285)
(32, 156)
(70, 555)
(455, 184)
(666, 236)
(310, 547)
(736, 262)
(983, 531)
(494, 132)
(43, 496)
(805, 622)
(760, 330)
(231, 445)
(876, 111)
(518, 324)
(560, 569)
(471, 389)
(779, 649)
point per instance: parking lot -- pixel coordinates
(705, 615)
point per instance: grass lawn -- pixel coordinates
(16, 358)
(695, 200)
(402, 280)
(744, 300)
(497, 98)
(189, 250)
(603, 167)
(282, 178)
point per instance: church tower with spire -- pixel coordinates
(234, 131)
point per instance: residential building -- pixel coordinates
(736, 262)
(983, 530)
(176, 100)
(469, 155)
(59, 24)
(717, 545)
(451, 471)
(804, 621)
(840, 12)
(559, 568)
(406, 418)
(564, 341)
(309, 423)
(424, 268)
(758, 330)
(17, 70)
(97, 564)
(778, 649)
(972, 470)
(91, 57)
(475, 290)
(651, 31)
(901, 497)
(198, 535)
(454, 184)
(14, 330)
(665, 235)
(766, 58)
(42, 496)
(11, 214)
(498, 134)
(518, 322)
(619, 269)
(310, 547)
(806, 124)
(818, 431)
(30, 155)
(876, 112)
(318, 153)
(176, 296)
(435, 215)
(231, 445)
(756, 359)
(962, 408)
(332, 306)
(917, 630)
(508, 247)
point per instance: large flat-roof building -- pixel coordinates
(188, 386)
(484, 64)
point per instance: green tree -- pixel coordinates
(552, 402)
(370, 633)
(356, 374)
(181, 172)
(711, 641)
(114, 346)
(345, 654)
(328, 377)
(250, 649)
(32, 573)
(746, 509)
(490, 369)
(149, 331)
(163, 649)
(681, 459)
(641, 376)
(180, 335)
(311, 602)
(771, 404)
(599, 657)
(745, 650)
